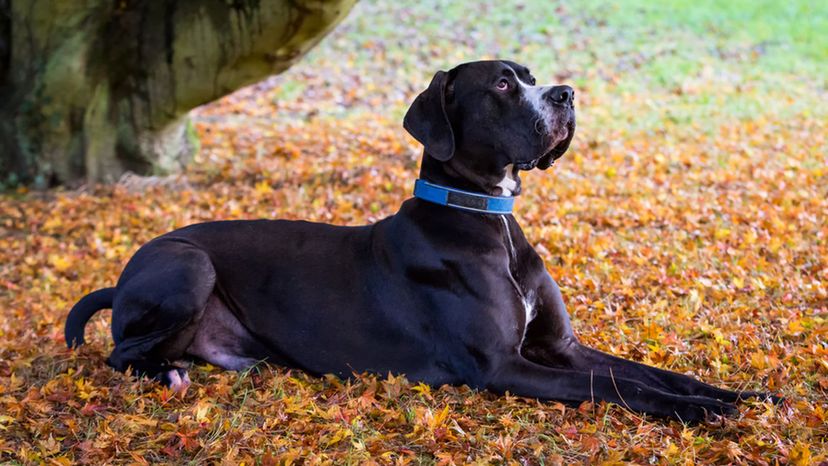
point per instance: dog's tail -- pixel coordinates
(83, 311)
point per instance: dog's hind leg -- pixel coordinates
(159, 301)
(223, 341)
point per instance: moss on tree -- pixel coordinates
(89, 90)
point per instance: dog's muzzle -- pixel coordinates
(556, 151)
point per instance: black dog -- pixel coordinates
(446, 294)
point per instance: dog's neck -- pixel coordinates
(443, 174)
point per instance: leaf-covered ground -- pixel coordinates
(686, 227)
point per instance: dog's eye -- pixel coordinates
(503, 85)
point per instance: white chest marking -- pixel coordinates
(508, 184)
(529, 308)
(528, 298)
(530, 311)
(512, 253)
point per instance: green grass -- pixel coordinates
(639, 64)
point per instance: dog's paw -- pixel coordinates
(698, 409)
(761, 396)
(177, 379)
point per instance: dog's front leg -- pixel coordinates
(522, 377)
(550, 342)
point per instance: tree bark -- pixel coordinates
(90, 89)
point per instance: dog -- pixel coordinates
(446, 291)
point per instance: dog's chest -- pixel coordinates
(526, 297)
(508, 184)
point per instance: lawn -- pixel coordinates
(687, 227)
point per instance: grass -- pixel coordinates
(699, 59)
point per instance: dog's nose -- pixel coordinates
(561, 95)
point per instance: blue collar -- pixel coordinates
(463, 200)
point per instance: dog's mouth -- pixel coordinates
(556, 150)
(526, 166)
(550, 154)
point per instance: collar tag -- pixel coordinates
(463, 200)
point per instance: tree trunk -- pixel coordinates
(92, 88)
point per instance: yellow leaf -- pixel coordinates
(439, 419)
(61, 263)
(800, 455)
(5, 421)
(201, 411)
(671, 451)
(589, 429)
(337, 437)
(758, 360)
(795, 327)
(422, 389)
(263, 187)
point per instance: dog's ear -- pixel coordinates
(558, 151)
(427, 120)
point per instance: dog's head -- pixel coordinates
(484, 121)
